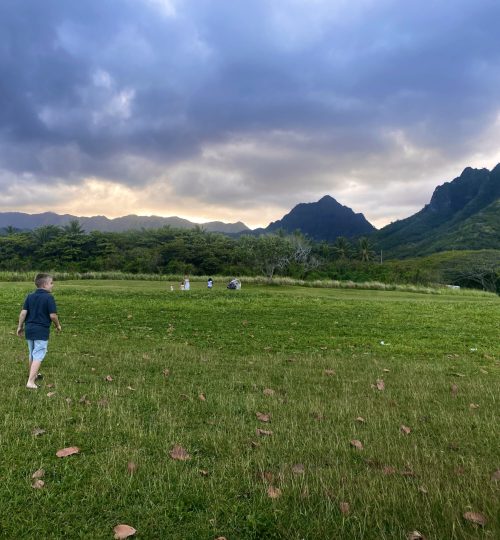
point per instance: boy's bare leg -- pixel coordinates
(39, 375)
(35, 366)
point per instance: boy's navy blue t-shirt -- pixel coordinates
(39, 304)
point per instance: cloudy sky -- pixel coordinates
(235, 110)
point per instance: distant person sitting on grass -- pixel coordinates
(39, 311)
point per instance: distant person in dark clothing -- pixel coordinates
(39, 311)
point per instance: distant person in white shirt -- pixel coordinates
(210, 283)
(186, 283)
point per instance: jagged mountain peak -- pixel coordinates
(460, 215)
(325, 219)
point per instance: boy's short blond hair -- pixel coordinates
(41, 279)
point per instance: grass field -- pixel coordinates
(311, 360)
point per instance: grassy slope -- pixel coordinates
(230, 346)
(479, 231)
(446, 260)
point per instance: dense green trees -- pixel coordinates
(164, 250)
(198, 252)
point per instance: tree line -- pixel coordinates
(197, 252)
(175, 251)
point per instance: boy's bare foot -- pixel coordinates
(32, 386)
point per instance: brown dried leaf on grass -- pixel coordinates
(454, 390)
(202, 397)
(357, 444)
(268, 392)
(37, 432)
(123, 531)
(474, 406)
(298, 469)
(266, 476)
(109, 378)
(263, 432)
(273, 492)
(131, 467)
(415, 535)
(203, 472)
(380, 384)
(178, 453)
(345, 508)
(476, 518)
(360, 419)
(329, 372)
(404, 429)
(39, 473)
(50, 394)
(263, 417)
(64, 452)
(166, 373)
(38, 484)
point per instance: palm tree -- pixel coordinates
(342, 248)
(74, 228)
(365, 252)
(46, 233)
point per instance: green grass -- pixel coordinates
(230, 346)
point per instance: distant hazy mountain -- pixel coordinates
(462, 214)
(325, 219)
(102, 223)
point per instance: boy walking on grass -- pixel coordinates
(39, 311)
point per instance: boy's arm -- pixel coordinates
(55, 319)
(22, 317)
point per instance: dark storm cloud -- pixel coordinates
(248, 103)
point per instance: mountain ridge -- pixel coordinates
(22, 220)
(461, 214)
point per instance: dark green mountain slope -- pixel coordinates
(462, 214)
